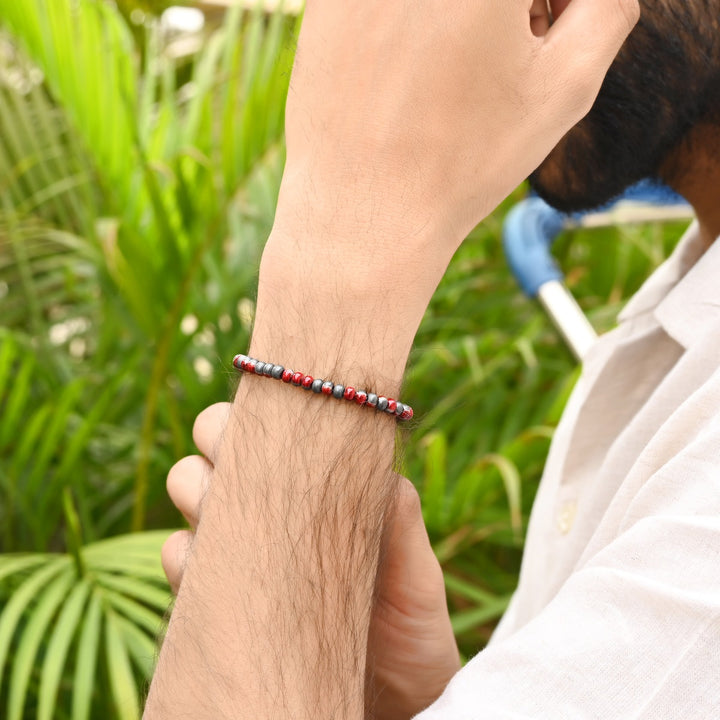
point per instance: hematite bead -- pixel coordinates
(399, 409)
(267, 370)
(327, 388)
(317, 386)
(338, 391)
(277, 371)
(372, 399)
(382, 403)
(259, 365)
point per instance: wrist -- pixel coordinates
(368, 214)
(325, 306)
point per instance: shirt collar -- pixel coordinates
(684, 292)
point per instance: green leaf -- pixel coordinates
(86, 664)
(8, 353)
(435, 480)
(140, 615)
(146, 592)
(468, 590)
(125, 691)
(142, 648)
(39, 617)
(22, 597)
(144, 545)
(17, 401)
(11, 564)
(463, 621)
(57, 650)
(513, 487)
(54, 433)
(85, 51)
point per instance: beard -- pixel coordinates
(664, 82)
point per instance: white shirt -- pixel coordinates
(617, 613)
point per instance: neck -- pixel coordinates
(694, 172)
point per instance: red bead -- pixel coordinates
(297, 378)
(407, 413)
(241, 365)
(349, 393)
(360, 397)
(307, 381)
(287, 376)
(250, 366)
(392, 405)
(327, 389)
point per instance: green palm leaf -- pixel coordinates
(23, 596)
(57, 650)
(49, 599)
(70, 620)
(84, 680)
(85, 51)
(122, 681)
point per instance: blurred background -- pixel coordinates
(140, 156)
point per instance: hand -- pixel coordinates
(411, 649)
(404, 118)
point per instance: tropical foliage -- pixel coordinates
(136, 192)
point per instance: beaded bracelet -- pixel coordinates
(323, 387)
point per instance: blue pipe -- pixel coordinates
(532, 226)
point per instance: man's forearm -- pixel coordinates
(294, 518)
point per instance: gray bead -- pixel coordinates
(372, 399)
(400, 409)
(277, 371)
(382, 403)
(327, 384)
(317, 386)
(267, 370)
(259, 366)
(338, 391)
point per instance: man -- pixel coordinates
(394, 151)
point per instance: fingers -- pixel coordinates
(209, 426)
(539, 17)
(174, 555)
(589, 33)
(187, 483)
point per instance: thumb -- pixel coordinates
(410, 575)
(585, 39)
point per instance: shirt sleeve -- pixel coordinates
(634, 632)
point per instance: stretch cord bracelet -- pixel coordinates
(323, 387)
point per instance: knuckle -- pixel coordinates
(178, 474)
(210, 422)
(583, 94)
